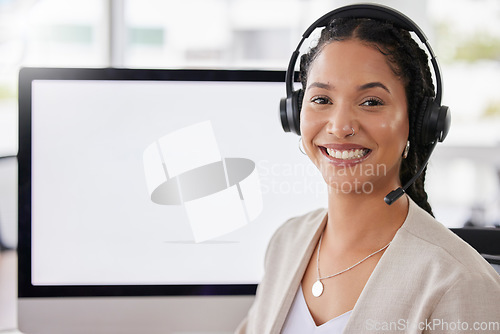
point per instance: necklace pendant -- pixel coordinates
(317, 288)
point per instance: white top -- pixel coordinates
(300, 320)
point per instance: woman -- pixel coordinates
(362, 266)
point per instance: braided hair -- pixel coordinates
(409, 62)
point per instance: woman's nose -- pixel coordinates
(341, 123)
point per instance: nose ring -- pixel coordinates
(352, 134)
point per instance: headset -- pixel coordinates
(433, 122)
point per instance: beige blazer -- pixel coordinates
(427, 281)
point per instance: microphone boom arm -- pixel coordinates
(397, 193)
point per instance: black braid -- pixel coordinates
(408, 61)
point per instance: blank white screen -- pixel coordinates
(93, 221)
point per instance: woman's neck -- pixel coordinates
(363, 220)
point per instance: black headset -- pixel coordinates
(433, 122)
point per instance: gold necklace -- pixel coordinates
(318, 288)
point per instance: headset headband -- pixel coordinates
(369, 11)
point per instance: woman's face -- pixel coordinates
(350, 87)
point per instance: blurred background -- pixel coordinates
(463, 178)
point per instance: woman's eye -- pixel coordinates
(320, 100)
(372, 102)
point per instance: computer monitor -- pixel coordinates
(147, 197)
(485, 240)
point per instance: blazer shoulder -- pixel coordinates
(446, 245)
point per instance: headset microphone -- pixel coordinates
(397, 193)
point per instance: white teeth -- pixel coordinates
(347, 154)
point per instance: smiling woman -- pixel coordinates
(368, 101)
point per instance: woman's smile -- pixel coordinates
(345, 154)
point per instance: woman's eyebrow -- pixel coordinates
(373, 85)
(319, 85)
(362, 87)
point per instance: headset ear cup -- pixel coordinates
(300, 98)
(290, 111)
(433, 122)
(444, 122)
(284, 114)
(297, 97)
